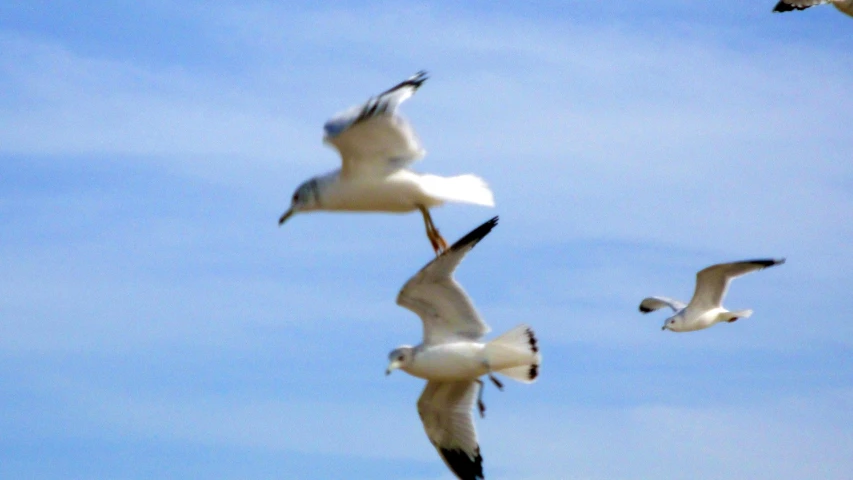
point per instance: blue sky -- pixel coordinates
(156, 323)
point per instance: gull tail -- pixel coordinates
(462, 188)
(515, 354)
(732, 316)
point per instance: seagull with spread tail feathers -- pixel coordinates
(453, 357)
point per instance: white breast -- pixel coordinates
(398, 192)
(697, 320)
(449, 362)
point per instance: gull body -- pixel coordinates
(400, 192)
(453, 356)
(705, 308)
(377, 145)
(448, 362)
(689, 320)
(844, 6)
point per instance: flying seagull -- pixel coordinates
(706, 306)
(377, 146)
(453, 356)
(845, 6)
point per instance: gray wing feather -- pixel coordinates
(650, 304)
(712, 283)
(445, 309)
(445, 410)
(372, 138)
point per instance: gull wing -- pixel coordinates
(713, 282)
(788, 5)
(372, 139)
(650, 304)
(445, 410)
(445, 309)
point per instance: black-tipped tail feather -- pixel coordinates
(531, 339)
(534, 372)
(515, 354)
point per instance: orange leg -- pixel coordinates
(441, 241)
(438, 243)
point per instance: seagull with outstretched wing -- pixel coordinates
(453, 356)
(377, 146)
(706, 306)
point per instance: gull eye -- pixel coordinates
(295, 197)
(400, 358)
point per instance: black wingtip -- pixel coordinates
(766, 262)
(785, 7)
(415, 81)
(645, 309)
(465, 467)
(474, 236)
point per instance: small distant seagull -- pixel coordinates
(377, 146)
(706, 306)
(845, 6)
(453, 357)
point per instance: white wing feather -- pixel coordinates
(372, 139)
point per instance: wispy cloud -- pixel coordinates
(148, 286)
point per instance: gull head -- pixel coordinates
(400, 357)
(669, 324)
(305, 198)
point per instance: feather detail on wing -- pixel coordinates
(372, 139)
(445, 410)
(445, 309)
(712, 283)
(650, 304)
(789, 5)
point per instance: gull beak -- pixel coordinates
(663, 328)
(394, 365)
(289, 213)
